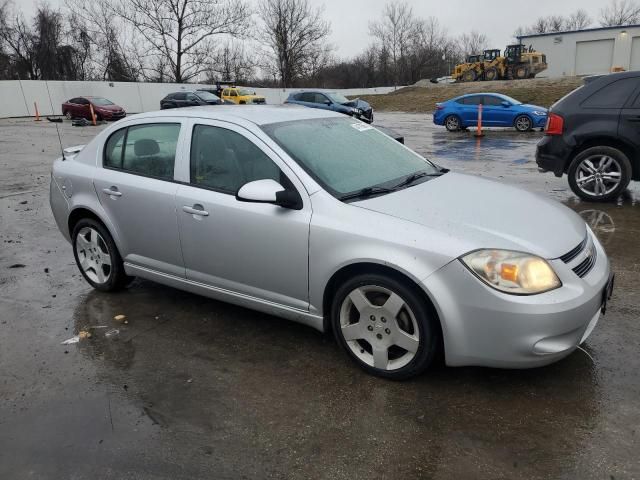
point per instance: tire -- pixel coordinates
(521, 72)
(452, 123)
(469, 76)
(611, 171)
(370, 333)
(491, 74)
(97, 256)
(523, 123)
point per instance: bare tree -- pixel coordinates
(578, 20)
(179, 32)
(114, 56)
(620, 12)
(395, 32)
(473, 42)
(295, 34)
(556, 23)
(230, 63)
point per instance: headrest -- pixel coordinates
(146, 146)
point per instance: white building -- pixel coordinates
(587, 52)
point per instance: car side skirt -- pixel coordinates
(242, 300)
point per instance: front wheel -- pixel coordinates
(523, 123)
(385, 326)
(452, 123)
(599, 174)
(97, 256)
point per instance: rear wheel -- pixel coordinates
(97, 256)
(452, 123)
(491, 74)
(523, 123)
(384, 326)
(469, 76)
(599, 174)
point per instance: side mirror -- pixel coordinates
(269, 191)
(505, 104)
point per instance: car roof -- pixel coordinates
(491, 94)
(257, 114)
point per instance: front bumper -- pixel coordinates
(484, 327)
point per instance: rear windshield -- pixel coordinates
(206, 96)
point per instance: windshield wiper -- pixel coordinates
(415, 177)
(367, 192)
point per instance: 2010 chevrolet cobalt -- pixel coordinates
(324, 220)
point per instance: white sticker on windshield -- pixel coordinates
(361, 127)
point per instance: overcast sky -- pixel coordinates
(497, 19)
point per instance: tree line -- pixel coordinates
(281, 43)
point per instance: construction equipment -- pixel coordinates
(518, 62)
(469, 71)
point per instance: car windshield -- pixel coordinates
(206, 96)
(100, 101)
(346, 156)
(244, 92)
(337, 98)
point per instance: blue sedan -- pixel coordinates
(497, 111)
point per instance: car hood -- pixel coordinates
(357, 103)
(470, 213)
(533, 107)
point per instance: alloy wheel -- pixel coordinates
(452, 124)
(598, 175)
(93, 255)
(523, 124)
(379, 327)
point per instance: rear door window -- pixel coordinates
(613, 95)
(474, 100)
(148, 150)
(179, 96)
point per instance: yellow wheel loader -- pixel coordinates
(469, 71)
(517, 63)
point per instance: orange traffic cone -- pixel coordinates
(38, 119)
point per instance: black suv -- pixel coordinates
(593, 135)
(189, 99)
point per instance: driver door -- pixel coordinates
(253, 249)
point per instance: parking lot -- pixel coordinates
(192, 388)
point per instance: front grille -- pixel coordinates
(586, 250)
(586, 265)
(567, 257)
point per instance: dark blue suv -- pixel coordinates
(333, 101)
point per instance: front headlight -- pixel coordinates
(539, 113)
(512, 272)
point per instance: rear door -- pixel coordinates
(135, 185)
(469, 110)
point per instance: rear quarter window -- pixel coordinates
(612, 95)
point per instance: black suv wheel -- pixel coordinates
(599, 174)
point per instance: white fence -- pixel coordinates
(17, 97)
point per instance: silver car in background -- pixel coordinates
(322, 219)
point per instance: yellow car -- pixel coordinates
(242, 96)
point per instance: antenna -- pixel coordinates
(57, 129)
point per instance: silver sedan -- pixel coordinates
(322, 219)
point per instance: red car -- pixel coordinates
(104, 109)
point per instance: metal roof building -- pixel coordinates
(587, 52)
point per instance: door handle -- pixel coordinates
(197, 209)
(113, 191)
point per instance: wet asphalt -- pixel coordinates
(194, 388)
